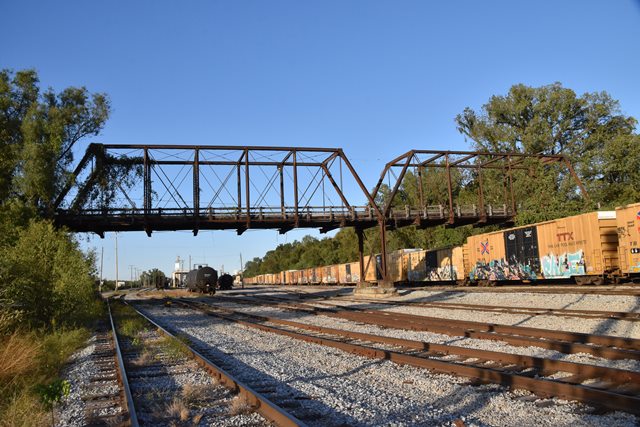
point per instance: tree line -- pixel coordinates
(590, 130)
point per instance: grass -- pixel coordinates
(26, 360)
(173, 348)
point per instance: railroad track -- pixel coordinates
(166, 373)
(106, 394)
(603, 387)
(631, 290)
(531, 311)
(605, 346)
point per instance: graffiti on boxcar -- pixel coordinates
(564, 265)
(445, 272)
(501, 270)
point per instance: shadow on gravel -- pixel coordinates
(298, 403)
(607, 325)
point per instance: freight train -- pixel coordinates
(592, 248)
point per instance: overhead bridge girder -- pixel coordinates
(211, 187)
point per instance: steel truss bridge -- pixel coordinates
(209, 187)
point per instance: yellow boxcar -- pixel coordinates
(582, 246)
(416, 267)
(349, 273)
(441, 265)
(628, 228)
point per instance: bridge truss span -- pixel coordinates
(177, 187)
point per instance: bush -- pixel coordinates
(45, 280)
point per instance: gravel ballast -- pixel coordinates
(344, 388)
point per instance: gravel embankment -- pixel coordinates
(435, 338)
(348, 389)
(623, 328)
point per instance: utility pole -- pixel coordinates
(189, 262)
(116, 287)
(101, 265)
(131, 275)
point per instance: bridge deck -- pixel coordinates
(284, 219)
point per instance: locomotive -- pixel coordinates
(203, 279)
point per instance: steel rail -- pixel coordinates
(551, 289)
(525, 331)
(261, 403)
(534, 311)
(122, 375)
(571, 390)
(565, 342)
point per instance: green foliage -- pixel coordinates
(173, 348)
(45, 280)
(53, 392)
(589, 129)
(130, 324)
(38, 132)
(56, 347)
(154, 278)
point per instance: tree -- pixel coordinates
(153, 277)
(38, 132)
(552, 119)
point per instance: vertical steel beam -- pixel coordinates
(247, 186)
(295, 186)
(147, 182)
(383, 254)
(483, 213)
(360, 234)
(450, 190)
(239, 186)
(513, 199)
(420, 189)
(280, 168)
(196, 185)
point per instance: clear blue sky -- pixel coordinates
(376, 78)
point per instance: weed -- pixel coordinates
(240, 405)
(173, 348)
(58, 346)
(18, 357)
(145, 358)
(194, 395)
(23, 409)
(177, 409)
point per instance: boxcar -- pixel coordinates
(628, 228)
(582, 247)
